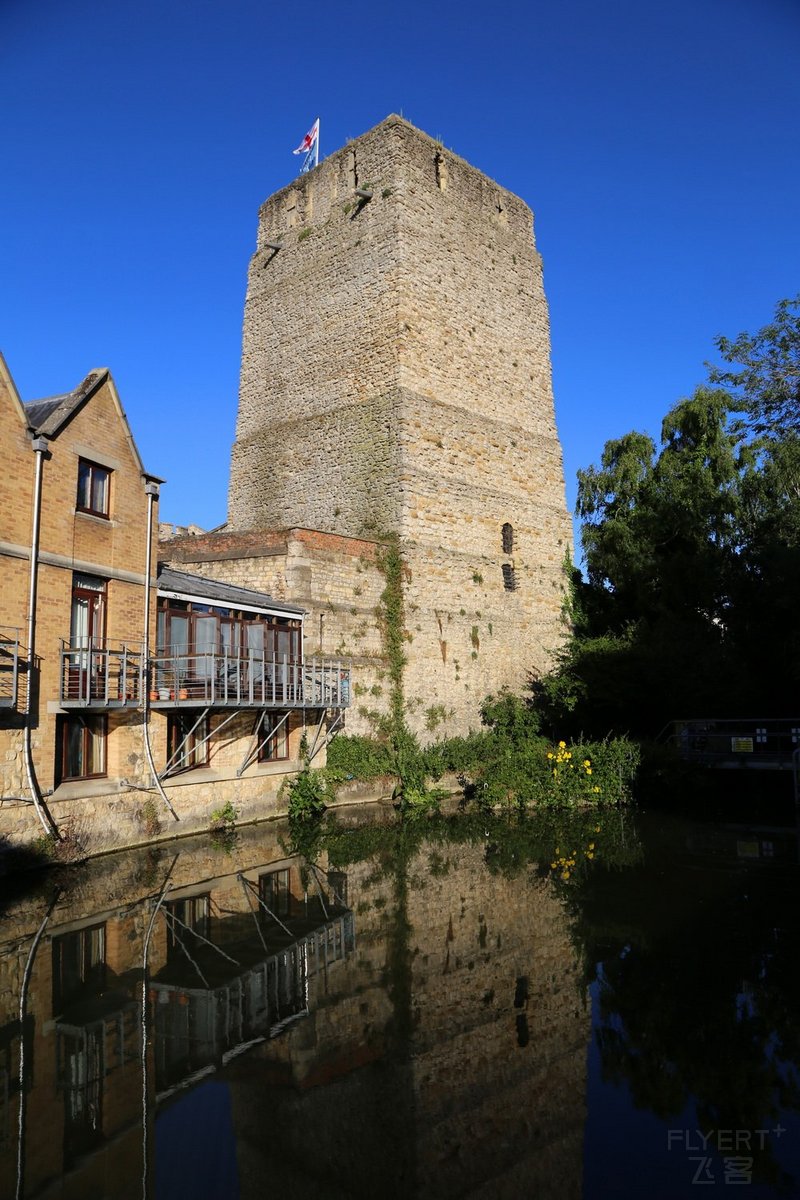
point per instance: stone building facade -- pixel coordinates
(442, 1012)
(396, 381)
(85, 501)
(130, 708)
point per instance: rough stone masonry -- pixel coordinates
(396, 380)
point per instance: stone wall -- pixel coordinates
(337, 580)
(396, 378)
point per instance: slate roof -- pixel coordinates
(47, 416)
(224, 594)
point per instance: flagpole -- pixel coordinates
(316, 155)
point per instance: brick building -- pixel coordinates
(126, 700)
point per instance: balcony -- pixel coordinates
(100, 674)
(9, 667)
(216, 679)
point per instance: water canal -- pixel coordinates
(601, 1006)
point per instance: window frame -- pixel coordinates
(275, 891)
(193, 914)
(271, 740)
(86, 721)
(179, 724)
(78, 965)
(88, 473)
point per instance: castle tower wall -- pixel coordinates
(396, 378)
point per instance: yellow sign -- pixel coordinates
(742, 745)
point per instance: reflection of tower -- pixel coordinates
(419, 1045)
(499, 1048)
(396, 378)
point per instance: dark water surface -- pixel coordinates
(596, 1006)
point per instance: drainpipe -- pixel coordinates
(23, 1065)
(151, 491)
(48, 824)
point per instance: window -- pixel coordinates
(81, 1070)
(187, 746)
(187, 917)
(509, 578)
(79, 965)
(198, 640)
(274, 891)
(508, 538)
(82, 746)
(93, 488)
(273, 738)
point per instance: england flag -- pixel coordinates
(310, 140)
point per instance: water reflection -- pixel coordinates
(406, 1008)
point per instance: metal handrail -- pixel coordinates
(98, 673)
(712, 739)
(219, 679)
(9, 666)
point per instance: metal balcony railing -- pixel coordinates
(756, 742)
(100, 674)
(255, 680)
(9, 666)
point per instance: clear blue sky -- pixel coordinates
(657, 143)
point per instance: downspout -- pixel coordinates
(151, 491)
(23, 1057)
(39, 445)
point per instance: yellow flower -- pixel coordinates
(591, 845)
(588, 770)
(549, 754)
(597, 827)
(586, 762)
(589, 854)
(565, 874)
(562, 745)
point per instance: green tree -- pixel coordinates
(692, 553)
(765, 380)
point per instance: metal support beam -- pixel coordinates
(179, 755)
(329, 734)
(312, 752)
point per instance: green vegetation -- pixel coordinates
(692, 556)
(224, 819)
(310, 793)
(148, 818)
(508, 764)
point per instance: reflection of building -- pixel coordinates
(91, 718)
(231, 961)
(443, 1054)
(222, 991)
(457, 1053)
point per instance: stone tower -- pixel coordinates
(396, 378)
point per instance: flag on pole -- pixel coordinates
(310, 147)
